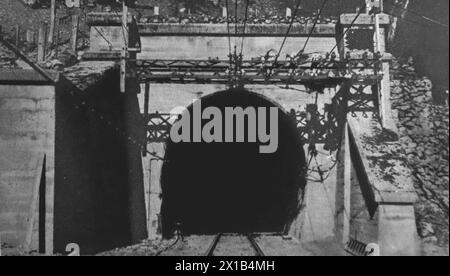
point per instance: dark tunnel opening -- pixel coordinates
(210, 188)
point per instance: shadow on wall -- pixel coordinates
(232, 187)
(98, 171)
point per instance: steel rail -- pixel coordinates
(256, 246)
(213, 245)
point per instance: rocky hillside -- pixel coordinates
(424, 132)
(422, 34)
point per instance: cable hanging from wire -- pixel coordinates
(411, 20)
(348, 29)
(236, 7)
(245, 25)
(314, 25)
(228, 29)
(429, 19)
(124, 29)
(102, 35)
(291, 23)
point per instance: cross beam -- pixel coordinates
(312, 125)
(321, 72)
(358, 79)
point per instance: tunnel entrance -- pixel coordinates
(210, 188)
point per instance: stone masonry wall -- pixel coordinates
(424, 130)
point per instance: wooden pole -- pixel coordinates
(51, 32)
(146, 110)
(377, 33)
(288, 13)
(56, 44)
(31, 37)
(17, 30)
(123, 61)
(347, 185)
(41, 44)
(395, 21)
(147, 98)
(74, 37)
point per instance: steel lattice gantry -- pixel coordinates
(357, 77)
(324, 72)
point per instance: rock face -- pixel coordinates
(424, 131)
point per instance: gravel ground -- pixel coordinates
(230, 245)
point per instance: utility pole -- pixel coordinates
(41, 44)
(124, 52)
(378, 36)
(74, 37)
(51, 32)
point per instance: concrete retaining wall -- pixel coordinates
(27, 135)
(62, 160)
(319, 222)
(99, 201)
(201, 41)
(262, 30)
(386, 187)
(202, 47)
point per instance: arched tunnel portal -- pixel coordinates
(210, 188)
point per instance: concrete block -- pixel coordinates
(397, 231)
(27, 130)
(203, 47)
(106, 38)
(35, 92)
(364, 19)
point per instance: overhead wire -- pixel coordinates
(245, 25)
(291, 23)
(347, 30)
(228, 31)
(314, 25)
(426, 18)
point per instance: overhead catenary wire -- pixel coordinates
(351, 25)
(236, 8)
(410, 20)
(228, 30)
(124, 30)
(245, 25)
(314, 25)
(426, 18)
(103, 37)
(291, 23)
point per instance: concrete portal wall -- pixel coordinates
(106, 38)
(27, 134)
(204, 47)
(99, 198)
(316, 221)
(188, 47)
(165, 97)
(201, 41)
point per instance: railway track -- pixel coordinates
(251, 240)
